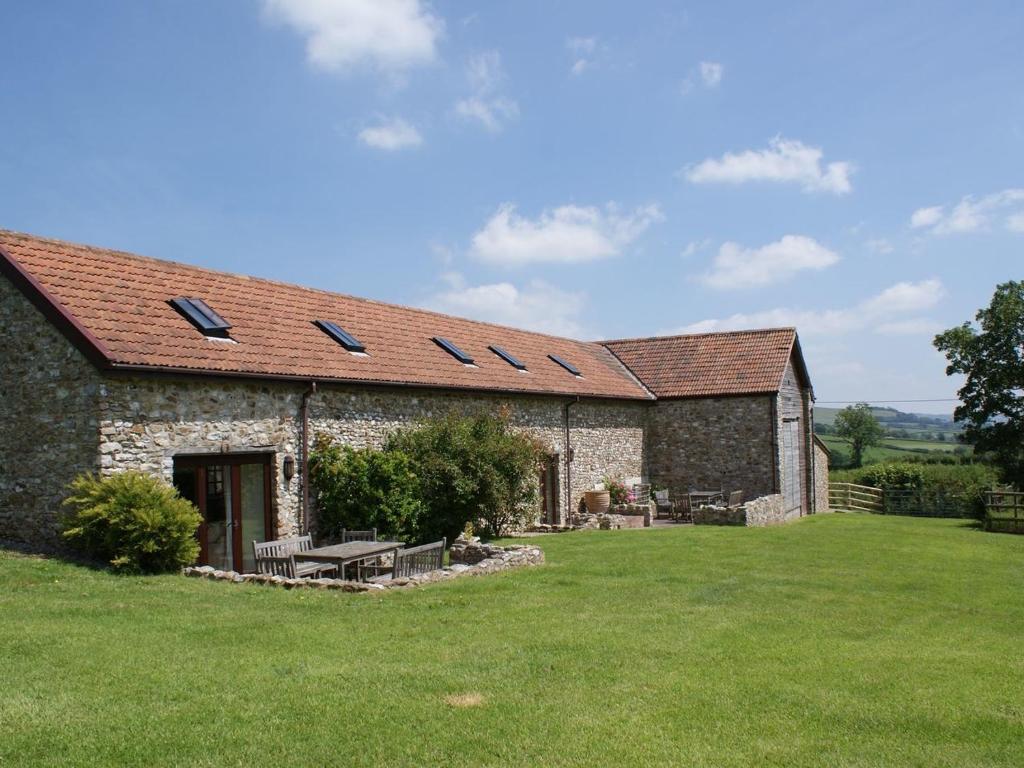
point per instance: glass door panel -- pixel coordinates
(217, 517)
(253, 511)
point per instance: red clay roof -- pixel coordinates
(115, 305)
(710, 364)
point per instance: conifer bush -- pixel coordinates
(135, 522)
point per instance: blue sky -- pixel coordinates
(592, 169)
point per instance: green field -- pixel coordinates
(838, 640)
(915, 425)
(893, 449)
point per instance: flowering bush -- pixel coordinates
(617, 491)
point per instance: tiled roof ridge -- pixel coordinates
(99, 250)
(670, 337)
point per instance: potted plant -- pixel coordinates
(597, 501)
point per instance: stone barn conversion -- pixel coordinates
(218, 382)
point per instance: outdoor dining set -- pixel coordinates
(359, 555)
(682, 510)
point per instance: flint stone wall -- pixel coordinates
(820, 478)
(760, 512)
(711, 443)
(49, 420)
(768, 510)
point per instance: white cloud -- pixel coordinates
(695, 246)
(567, 234)
(707, 73)
(490, 113)
(905, 297)
(785, 161)
(484, 72)
(711, 73)
(973, 214)
(879, 245)
(882, 313)
(915, 326)
(926, 217)
(391, 135)
(582, 50)
(538, 306)
(391, 35)
(486, 105)
(737, 267)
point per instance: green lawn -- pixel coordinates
(838, 640)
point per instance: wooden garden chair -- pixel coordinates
(275, 558)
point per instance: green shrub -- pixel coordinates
(363, 489)
(470, 469)
(135, 522)
(893, 475)
(966, 483)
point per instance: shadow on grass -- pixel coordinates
(51, 552)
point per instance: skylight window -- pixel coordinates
(452, 350)
(199, 313)
(340, 335)
(508, 357)
(566, 364)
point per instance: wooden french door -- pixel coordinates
(232, 493)
(549, 495)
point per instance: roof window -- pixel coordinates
(508, 357)
(567, 365)
(340, 335)
(199, 313)
(452, 350)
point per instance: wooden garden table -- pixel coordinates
(347, 553)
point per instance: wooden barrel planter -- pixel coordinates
(597, 501)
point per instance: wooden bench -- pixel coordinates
(347, 535)
(276, 558)
(408, 562)
(735, 500)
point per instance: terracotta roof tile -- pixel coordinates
(709, 364)
(121, 300)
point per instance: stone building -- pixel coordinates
(218, 382)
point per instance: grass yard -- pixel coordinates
(839, 640)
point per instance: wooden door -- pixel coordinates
(792, 474)
(232, 493)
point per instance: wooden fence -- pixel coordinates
(915, 502)
(856, 498)
(919, 502)
(1004, 511)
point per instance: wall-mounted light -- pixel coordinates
(289, 467)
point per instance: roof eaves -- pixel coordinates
(629, 372)
(164, 370)
(54, 311)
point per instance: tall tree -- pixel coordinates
(991, 356)
(857, 425)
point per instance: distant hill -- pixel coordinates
(919, 426)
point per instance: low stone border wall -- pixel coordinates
(466, 558)
(766, 510)
(760, 512)
(618, 516)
